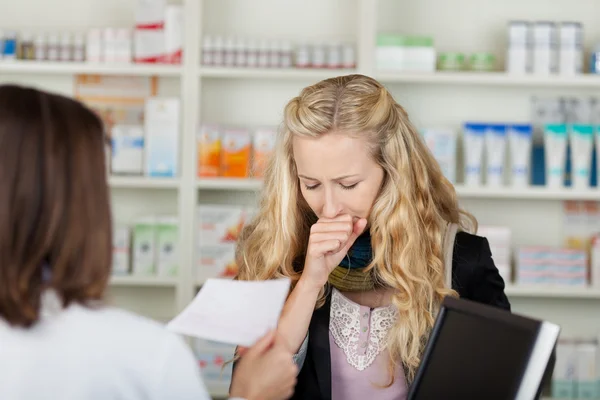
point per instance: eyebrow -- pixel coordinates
(339, 178)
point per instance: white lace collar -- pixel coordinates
(347, 321)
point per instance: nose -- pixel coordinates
(331, 207)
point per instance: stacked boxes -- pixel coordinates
(218, 230)
(576, 370)
(543, 265)
(234, 152)
(148, 248)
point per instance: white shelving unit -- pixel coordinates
(257, 96)
(61, 68)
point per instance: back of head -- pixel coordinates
(54, 203)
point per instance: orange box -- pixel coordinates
(235, 153)
(209, 151)
(263, 144)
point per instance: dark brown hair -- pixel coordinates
(54, 203)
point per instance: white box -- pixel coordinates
(544, 48)
(127, 149)
(219, 224)
(144, 246)
(149, 45)
(173, 34)
(109, 45)
(162, 136)
(150, 14)
(167, 233)
(216, 261)
(587, 371)
(565, 371)
(121, 250)
(94, 46)
(123, 46)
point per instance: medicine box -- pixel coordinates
(144, 246)
(127, 149)
(209, 150)
(216, 261)
(235, 153)
(565, 371)
(167, 232)
(219, 224)
(263, 144)
(121, 250)
(162, 136)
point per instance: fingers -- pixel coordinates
(342, 237)
(334, 226)
(357, 230)
(328, 246)
(262, 345)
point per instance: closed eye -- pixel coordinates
(312, 187)
(349, 187)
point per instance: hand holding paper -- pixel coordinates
(235, 312)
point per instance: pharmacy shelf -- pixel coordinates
(69, 68)
(149, 281)
(273, 73)
(483, 192)
(552, 291)
(229, 184)
(527, 193)
(491, 79)
(138, 182)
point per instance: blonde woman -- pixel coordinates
(354, 210)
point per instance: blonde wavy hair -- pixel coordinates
(406, 219)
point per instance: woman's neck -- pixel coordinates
(380, 297)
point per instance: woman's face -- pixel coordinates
(337, 174)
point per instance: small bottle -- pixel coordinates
(41, 50)
(286, 54)
(10, 46)
(274, 54)
(66, 47)
(240, 53)
(53, 47)
(218, 51)
(25, 50)
(207, 50)
(229, 52)
(303, 56)
(263, 54)
(318, 56)
(79, 47)
(252, 54)
(334, 55)
(348, 56)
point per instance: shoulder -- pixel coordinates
(474, 274)
(159, 357)
(133, 334)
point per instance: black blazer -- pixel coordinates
(474, 277)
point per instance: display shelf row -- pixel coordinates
(586, 81)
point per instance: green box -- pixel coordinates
(167, 231)
(144, 247)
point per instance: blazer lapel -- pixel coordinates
(319, 347)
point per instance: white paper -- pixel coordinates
(235, 312)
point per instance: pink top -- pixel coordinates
(359, 361)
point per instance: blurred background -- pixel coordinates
(504, 93)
